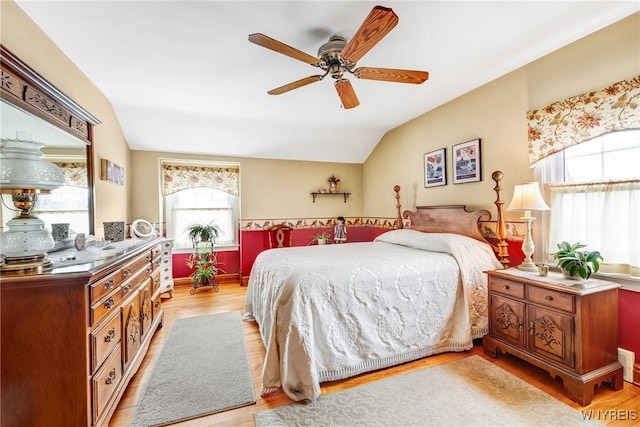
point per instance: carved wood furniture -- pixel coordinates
(280, 236)
(73, 338)
(566, 327)
(21, 86)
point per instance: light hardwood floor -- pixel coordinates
(609, 405)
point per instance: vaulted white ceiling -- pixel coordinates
(182, 76)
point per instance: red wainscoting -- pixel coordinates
(228, 261)
(254, 242)
(629, 321)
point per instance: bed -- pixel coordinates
(329, 312)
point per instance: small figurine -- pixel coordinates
(340, 231)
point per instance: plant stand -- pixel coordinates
(196, 286)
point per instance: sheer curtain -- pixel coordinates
(606, 215)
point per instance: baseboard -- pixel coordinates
(636, 374)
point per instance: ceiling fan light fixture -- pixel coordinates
(334, 46)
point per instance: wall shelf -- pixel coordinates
(345, 195)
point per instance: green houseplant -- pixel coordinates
(203, 258)
(320, 238)
(576, 262)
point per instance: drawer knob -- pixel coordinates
(548, 298)
(157, 304)
(126, 288)
(506, 287)
(531, 332)
(112, 376)
(126, 272)
(109, 303)
(110, 335)
(109, 284)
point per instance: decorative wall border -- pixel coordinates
(312, 223)
(515, 229)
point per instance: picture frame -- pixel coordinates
(467, 162)
(435, 168)
(111, 172)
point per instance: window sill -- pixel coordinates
(627, 282)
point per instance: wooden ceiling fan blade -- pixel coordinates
(378, 24)
(295, 85)
(391, 75)
(277, 46)
(346, 93)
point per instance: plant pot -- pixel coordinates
(333, 187)
(322, 241)
(567, 275)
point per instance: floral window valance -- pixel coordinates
(583, 117)
(182, 177)
(75, 173)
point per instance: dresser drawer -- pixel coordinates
(105, 285)
(507, 287)
(155, 281)
(156, 251)
(132, 267)
(105, 382)
(105, 306)
(104, 340)
(550, 298)
(156, 264)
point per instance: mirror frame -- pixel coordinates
(24, 88)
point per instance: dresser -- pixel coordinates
(166, 268)
(566, 327)
(72, 338)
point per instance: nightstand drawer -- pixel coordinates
(507, 287)
(552, 299)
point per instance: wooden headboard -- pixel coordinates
(456, 219)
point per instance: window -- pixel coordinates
(594, 191)
(201, 205)
(66, 204)
(200, 192)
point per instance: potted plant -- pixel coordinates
(321, 238)
(203, 259)
(333, 183)
(575, 262)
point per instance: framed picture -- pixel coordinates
(111, 172)
(467, 164)
(435, 168)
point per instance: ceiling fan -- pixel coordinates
(337, 57)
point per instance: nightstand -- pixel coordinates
(568, 328)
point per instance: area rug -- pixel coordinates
(202, 369)
(466, 392)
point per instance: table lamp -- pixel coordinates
(24, 175)
(527, 198)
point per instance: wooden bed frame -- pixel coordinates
(456, 219)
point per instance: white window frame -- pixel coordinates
(165, 217)
(551, 171)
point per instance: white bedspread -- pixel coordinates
(328, 312)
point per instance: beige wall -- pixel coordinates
(270, 188)
(25, 39)
(496, 113)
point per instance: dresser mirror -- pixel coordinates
(31, 105)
